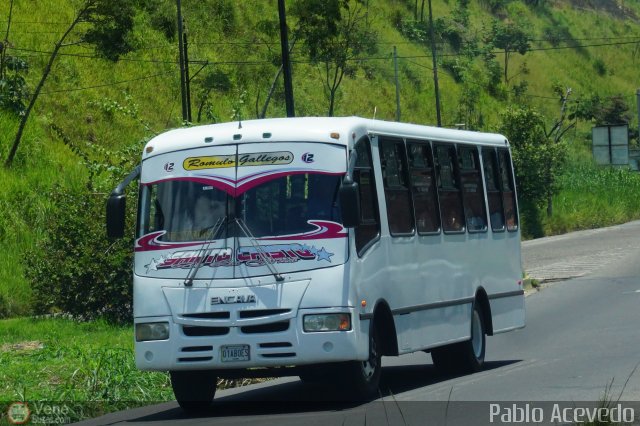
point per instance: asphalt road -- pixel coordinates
(581, 343)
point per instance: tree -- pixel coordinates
(4, 44)
(510, 38)
(335, 33)
(555, 135)
(537, 161)
(213, 81)
(611, 110)
(13, 87)
(109, 22)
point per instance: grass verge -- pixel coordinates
(594, 197)
(87, 367)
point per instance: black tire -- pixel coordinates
(363, 377)
(474, 349)
(194, 390)
(464, 357)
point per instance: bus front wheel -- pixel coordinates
(363, 377)
(194, 390)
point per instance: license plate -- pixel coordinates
(232, 353)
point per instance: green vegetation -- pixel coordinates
(593, 197)
(541, 72)
(114, 84)
(89, 367)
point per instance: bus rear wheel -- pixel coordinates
(194, 390)
(363, 377)
(464, 357)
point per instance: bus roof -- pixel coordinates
(334, 130)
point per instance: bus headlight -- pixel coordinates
(327, 322)
(152, 331)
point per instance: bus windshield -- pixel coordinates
(189, 210)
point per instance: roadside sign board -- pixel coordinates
(611, 144)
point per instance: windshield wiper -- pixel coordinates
(268, 261)
(204, 251)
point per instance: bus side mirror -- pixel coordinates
(116, 208)
(350, 204)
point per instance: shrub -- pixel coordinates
(557, 33)
(75, 269)
(600, 67)
(5, 309)
(537, 160)
(456, 67)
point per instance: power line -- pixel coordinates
(41, 23)
(371, 58)
(417, 64)
(153, 61)
(76, 89)
(35, 32)
(586, 38)
(584, 45)
(553, 98)
(85, 56)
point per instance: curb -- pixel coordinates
(530, 285)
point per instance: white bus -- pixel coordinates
(313, 246)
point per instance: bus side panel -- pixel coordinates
(508, 313)
(434, 327)
(503, 278)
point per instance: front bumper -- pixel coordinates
(270, 344)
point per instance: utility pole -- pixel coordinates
(638, 106)
(183, 85)
(286, 63)
(435, 66)
(4, 45)
(187, 79)
(395, 67)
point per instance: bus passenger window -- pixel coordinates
(423, 188)
(472, 189)
(508, 193)
(492, 183)
(393, 161)
(449, 188)
(369, 229)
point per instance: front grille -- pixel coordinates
(195, 331)
(195, 359)
(281, 355)
(275, 345)
(197, 349)
(255, 313)
(272, 327)
(209, 315)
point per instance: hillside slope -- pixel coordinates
(91, 109)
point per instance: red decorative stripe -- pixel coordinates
(150, 242)
(324, 230)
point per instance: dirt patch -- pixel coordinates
(22, 346)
